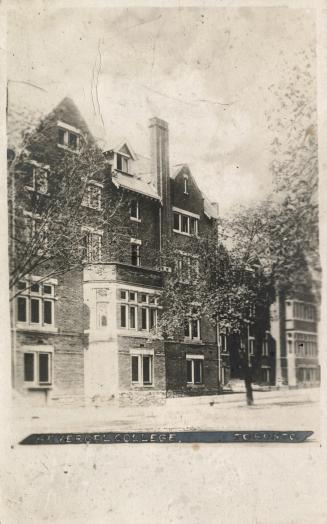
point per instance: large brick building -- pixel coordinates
(88, 333)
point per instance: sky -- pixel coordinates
(205, 71)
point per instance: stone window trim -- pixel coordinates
(33, 366)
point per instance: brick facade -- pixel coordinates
(99, 346)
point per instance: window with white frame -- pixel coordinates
(251, 345)
(135, 254)
(92, 245)
(142, 369)
(194, 369)
(128, 316)
(135, 210)
(122, 163)
(92, 196)
(69, 137)
(185, 223)
(37, 367)
(138, 310)
(37, 177)
(35, 304)
(192, 329)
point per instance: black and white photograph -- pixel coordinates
(165, 274)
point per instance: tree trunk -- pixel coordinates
(249, 392)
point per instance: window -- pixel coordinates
(142, 370)
(265, 375)
(144, 318)
(132, 317)
(37, 178)
(265, 346)
(35, 304)
(192, 329)
(123, 316)
(92, 246)
(185, 185)
(177, 218)
(187, 267)
(128, 316)
(138, 310)
(193, 226)
(152, 318)
(194, 369)
(102, 314)
(135, 255)
(134, 210)
(68, 137)
(122, 163)
(251, 345)
(304, 311)
(92, 196)
(306, 344)
(38, 368)
(185, 223)
(223, 342)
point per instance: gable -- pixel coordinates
(185, 193)
(126, 149)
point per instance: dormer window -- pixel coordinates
(122, 163)
(68, 136)
(185, 185)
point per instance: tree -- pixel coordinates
(52, 203)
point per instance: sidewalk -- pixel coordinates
(281, 409)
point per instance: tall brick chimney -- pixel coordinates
(159, 147)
